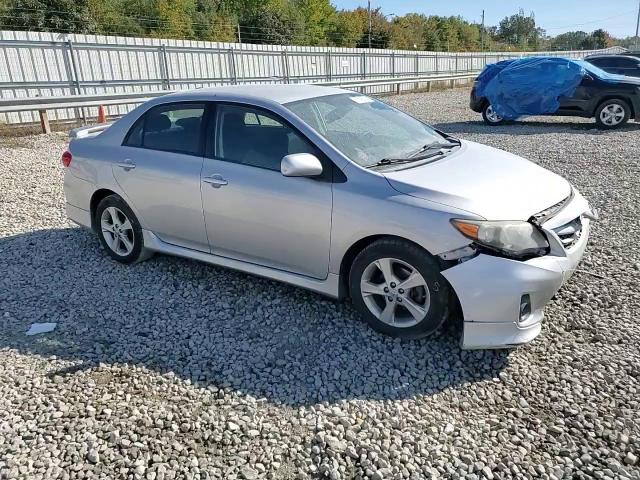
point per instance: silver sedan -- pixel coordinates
(339, 193)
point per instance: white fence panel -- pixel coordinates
(44, 64)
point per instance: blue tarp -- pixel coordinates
(533, 85)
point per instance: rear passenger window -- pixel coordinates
(170, 128)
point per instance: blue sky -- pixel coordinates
(556, 16)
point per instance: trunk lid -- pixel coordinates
(488, 182)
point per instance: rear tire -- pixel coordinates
(490, 117)
(612, 113)
(119, 231)
(398, 289)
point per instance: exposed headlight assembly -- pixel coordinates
(512, 239)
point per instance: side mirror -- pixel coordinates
(300, 165)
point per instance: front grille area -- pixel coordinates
(569, 233)
(547, 213)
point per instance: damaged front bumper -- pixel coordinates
(491, 289)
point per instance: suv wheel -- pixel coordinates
(490, 116)
(398, 289)
(612, 113)
(119, 231)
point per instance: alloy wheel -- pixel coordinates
(612, 115)
(492, 115)
(117, 231)
(395, 292)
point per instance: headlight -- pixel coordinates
(512, 239)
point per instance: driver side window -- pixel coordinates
(254, 137)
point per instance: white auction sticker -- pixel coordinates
(361, 99)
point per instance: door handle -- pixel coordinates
(127, 165)
(216, 181)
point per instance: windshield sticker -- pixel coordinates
(362, 99)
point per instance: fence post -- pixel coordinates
(417, 71)
(285, 66)
(44, 121)
(75, 79)
(328, 65)
(456, 63)
(437, 66)
(363, 67)
(393, 64)
(164, 67)
(232, 66)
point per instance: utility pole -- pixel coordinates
(369, 10)
(482, 34)
(638, 26)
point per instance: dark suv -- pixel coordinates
(611, 99)
(617, 64)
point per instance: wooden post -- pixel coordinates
(428, 86)
(452, 84)
(44, 121)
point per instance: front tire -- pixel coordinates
(612, 113)
(119, 231)
(398, 289)
(490, 117)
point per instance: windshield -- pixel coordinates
(364, 129)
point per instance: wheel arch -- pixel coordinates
(96, 198)
(353, 251)
(615, 96)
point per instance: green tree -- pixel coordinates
(520, 30)
(272, 22)
(602, 39)
(49, 16)
(318, 19)
(380, 31)
(347, 29)
(215, 20)
(569, 41)
(408, 31)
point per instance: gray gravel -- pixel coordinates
(175, 369)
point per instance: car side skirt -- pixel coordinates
(328, 286)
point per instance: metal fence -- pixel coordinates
(47, 64)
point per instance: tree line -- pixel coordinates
(287, 22)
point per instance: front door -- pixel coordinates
(582, 100)
(255, 214)
(160, 173)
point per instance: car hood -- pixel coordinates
(485, 181)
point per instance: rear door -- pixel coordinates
(160, 172)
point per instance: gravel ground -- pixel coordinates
(175, 369)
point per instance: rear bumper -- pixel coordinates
(79, 216)
(490, 290)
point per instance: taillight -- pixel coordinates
(66, 158)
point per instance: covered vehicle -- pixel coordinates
(515, 88)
